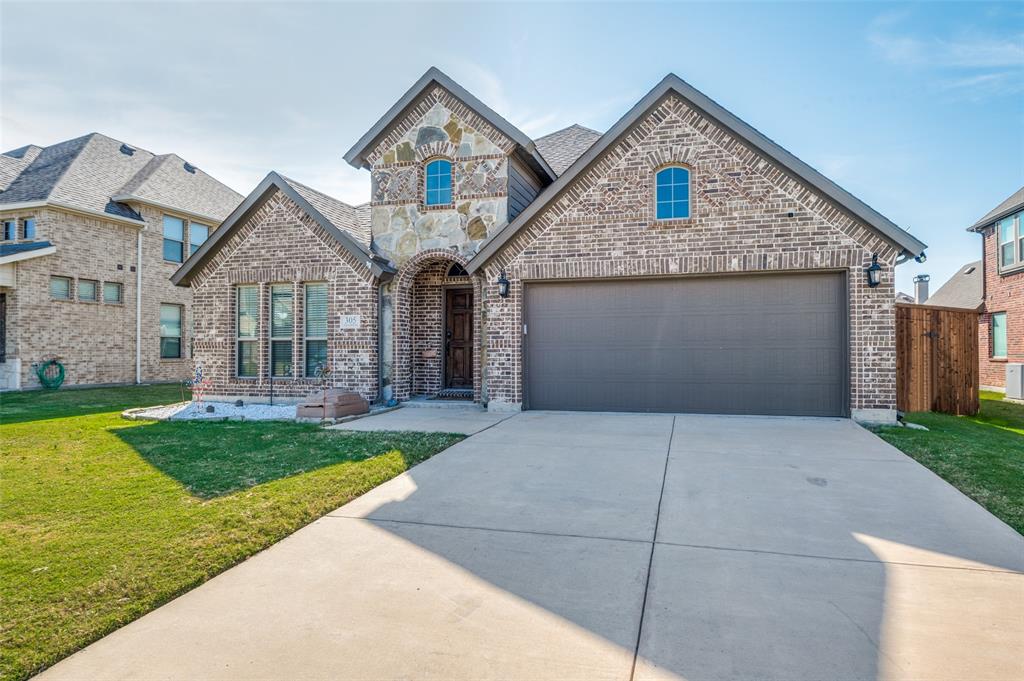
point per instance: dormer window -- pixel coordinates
(672, 187)
(439, 183)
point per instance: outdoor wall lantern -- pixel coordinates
(503, 285)
(874, 272)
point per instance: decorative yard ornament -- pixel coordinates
(198, 384)
(323, 374)
(874, 272)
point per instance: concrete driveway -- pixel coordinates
(615, 546)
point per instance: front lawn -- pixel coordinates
(104, 519)
(982, 455)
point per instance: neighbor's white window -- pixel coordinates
(316, 327)
(112, 292)
(174, 239)
(170, 331)
(999, 335)
(1010, 235)
(282, 328)
(197, 235)
(60, 288)
(87, 290)
(247, 306)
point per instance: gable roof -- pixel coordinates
(964, 289)
(356, 156)
(318, 206)
(1012, 204)
(88, 173)
(674, 85)
(562, 147)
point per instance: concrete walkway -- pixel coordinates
(614, 546)
(443, 418)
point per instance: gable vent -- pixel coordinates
(126, 150)
(189, 168)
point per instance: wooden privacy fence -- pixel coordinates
(936, 359)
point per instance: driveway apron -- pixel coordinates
(558, 545)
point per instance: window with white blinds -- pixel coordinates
(282, 328)
(316, 328)
(248, 311)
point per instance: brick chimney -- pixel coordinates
(921, 288)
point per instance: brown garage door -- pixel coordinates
(766, 344)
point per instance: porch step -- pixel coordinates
(426, 402)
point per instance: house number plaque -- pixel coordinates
(350, 321)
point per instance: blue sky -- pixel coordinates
(918, 109)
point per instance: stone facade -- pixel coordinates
(747, 215)
(1003, 293)
(439, 126)
(281, 244)
(95, 340)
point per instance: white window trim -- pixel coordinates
(992, 335)
(1016, 239)
(180, 336)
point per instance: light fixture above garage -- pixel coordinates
(873, 272)
(503, 285)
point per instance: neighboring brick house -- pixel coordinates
(86, 224)
(680, 261)
(1001, 325)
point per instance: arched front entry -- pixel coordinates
(436, 327)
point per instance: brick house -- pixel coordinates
(1001, 324)
(87, 224)
(680, 261)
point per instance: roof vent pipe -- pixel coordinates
(921, 288)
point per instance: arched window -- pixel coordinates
(457, 270)
(672, 185)
(439, 182)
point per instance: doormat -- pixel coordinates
(454, 394)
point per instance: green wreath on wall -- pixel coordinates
(51, 374)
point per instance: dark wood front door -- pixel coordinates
(458, 352)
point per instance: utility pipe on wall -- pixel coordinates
(138, 309)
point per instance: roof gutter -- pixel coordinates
(132, 198)
(88, 212)
(977, 227)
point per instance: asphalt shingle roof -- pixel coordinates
(86, 172)
(562, 147)
(964, 289)
(353, 219)
(1012, 203)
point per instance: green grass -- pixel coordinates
(103, 519)
(982, 455)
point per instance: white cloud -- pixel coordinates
(975, 63)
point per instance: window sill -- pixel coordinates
(1007, 271)
(439, 206)
(62, 300)
(998, 360)
(670, 222)
(173, 360)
